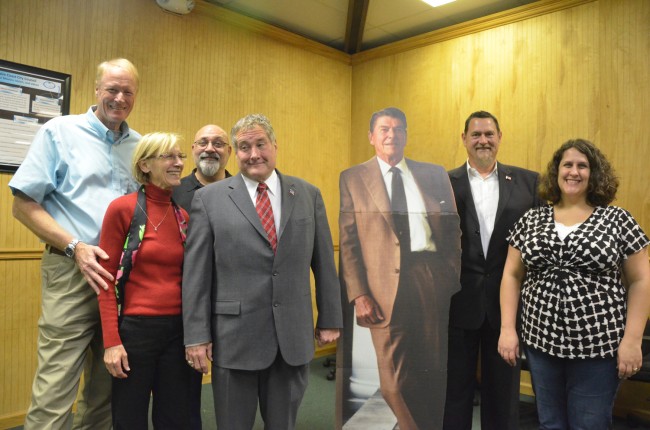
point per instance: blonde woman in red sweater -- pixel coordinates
(143, 234)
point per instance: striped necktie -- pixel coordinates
(265, 212)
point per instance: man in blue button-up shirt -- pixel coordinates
(75, 167)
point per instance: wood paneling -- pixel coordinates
(19, 311)
(550, 71)
(211, 66)
(577, 71)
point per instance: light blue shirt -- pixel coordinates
(75, 168)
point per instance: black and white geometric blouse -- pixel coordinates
(573, 300)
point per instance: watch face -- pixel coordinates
(69, 250)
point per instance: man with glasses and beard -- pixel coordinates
(211, 151)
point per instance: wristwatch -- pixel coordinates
(69, 250)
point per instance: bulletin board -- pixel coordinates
(29, 97)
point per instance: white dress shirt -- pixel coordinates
(485, 192)
(274, 191)
(418, 225)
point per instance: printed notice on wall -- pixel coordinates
(29, 97)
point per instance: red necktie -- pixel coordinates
(265, 212)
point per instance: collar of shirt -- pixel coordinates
(385, 167)
(194, 180)
(421, 237)
(102, 130)
(272, 182)
(473, 173)
(387, 175)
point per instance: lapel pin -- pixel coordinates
(508, 178)
(292, 192)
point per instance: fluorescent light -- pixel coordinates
(436, 3)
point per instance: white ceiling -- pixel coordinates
(387, 21)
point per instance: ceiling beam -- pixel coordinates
(357, 11)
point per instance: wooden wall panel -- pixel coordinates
(550, 71)
(194, 70)
(19, 311)
(624, 102)
(209, 66)
(581, 71)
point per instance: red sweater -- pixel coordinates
(154, 285)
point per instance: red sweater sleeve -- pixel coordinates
(115, 227)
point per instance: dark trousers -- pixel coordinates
(499, 381)
(156, 357)
(278, 388)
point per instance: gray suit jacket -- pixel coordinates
(243, 298)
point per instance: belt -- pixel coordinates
(53, 250)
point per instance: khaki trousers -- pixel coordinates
(69, 343)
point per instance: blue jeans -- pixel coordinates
(576, 394)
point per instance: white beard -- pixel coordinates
(208, 167)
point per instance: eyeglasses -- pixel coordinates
(170, 157)
(216, 143)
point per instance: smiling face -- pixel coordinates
(115, 93)
(389, 139)
(482, 142)
(164, 170)
(573, 175)
(256, 153)
(211, 150)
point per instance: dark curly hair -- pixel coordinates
(603, 183)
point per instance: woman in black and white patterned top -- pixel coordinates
(581, 327)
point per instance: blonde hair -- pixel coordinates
(150, 146)
(121, 63)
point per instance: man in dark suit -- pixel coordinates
(490, 198)
(211, 152)
(399, 261)
(246, 286)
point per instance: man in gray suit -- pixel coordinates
(247, 302)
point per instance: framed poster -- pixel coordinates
(29, 97)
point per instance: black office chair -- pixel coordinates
(329, 361)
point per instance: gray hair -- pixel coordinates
(249, 122)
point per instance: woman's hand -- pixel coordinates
(509, 346)
(116, 361)
(629, 358)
